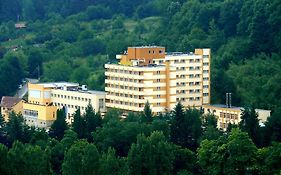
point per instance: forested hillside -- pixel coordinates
(70, 40)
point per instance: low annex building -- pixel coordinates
(230, 114)
(163, 79)
(9, 104)
(45, 98)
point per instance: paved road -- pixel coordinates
(22, 91)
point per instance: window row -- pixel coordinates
(124, 87)
(188, 99)
(229, 116)
(71, 97)
(69, 106)
(125, 71)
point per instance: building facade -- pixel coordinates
(45, 98)
(163, 79)
(226, 114)
(9, 104)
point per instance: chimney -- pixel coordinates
(228, 100)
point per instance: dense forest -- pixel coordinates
(183, 142)
(71, 40)
(78, 37)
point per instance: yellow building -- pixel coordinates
(9, 104)
(45, 98)
(163, 79)
(226, 114)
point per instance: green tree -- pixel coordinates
(81, 158)
(52, 71)
(4, 159)
(147, 115)
(273, 127)
(227, 156)
(119, 135)
(15, 127)
(186, 127)
(59, 126)
(109, 164)
(78, 124)
(185, 160)
(28, 159)
(269, 159)
(69, 138)
(93, 121)
(250, 124)
(151, 155)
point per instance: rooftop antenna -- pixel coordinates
(228, 100)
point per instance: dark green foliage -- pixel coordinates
(78, 124)
(269, 159)
(27, 159)
(92, 120)
(147, 113)
(110, 164)
(3, 159)
(11, 73)
(81, 158)
(273, 127)
(250, 124)
(151, 155)
(234, 155)
(186, 127)
(59, 126)
(15, 127)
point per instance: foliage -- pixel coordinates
(59, 126)
(151, 155)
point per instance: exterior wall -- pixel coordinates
(72, 100)
(39, 115)
(144, 53)
(18, 108)
(224, 115)
(232, 115)
(129, 88)
(37, 94)
(181, 78)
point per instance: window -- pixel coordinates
(205, 94)
(206, 78)
(158, 88)
(205, 56)
(158, 80)
(206, 86)
(30, 113)
(205, 71)
(158, 72)
(205, 64)
(158, 104)
(158, 96)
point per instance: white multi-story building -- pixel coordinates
(163, 79)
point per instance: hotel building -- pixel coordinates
(45, 98)
(230, 114)
(163, 79)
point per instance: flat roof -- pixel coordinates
(224, 106)
(58, 84)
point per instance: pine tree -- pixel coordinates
(92, 121)
(79, 124)
(59, 126)
(147, 115)
(250, 124)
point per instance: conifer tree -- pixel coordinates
(250, 124)
(147, 115)
(59, 126)
(79, 124)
